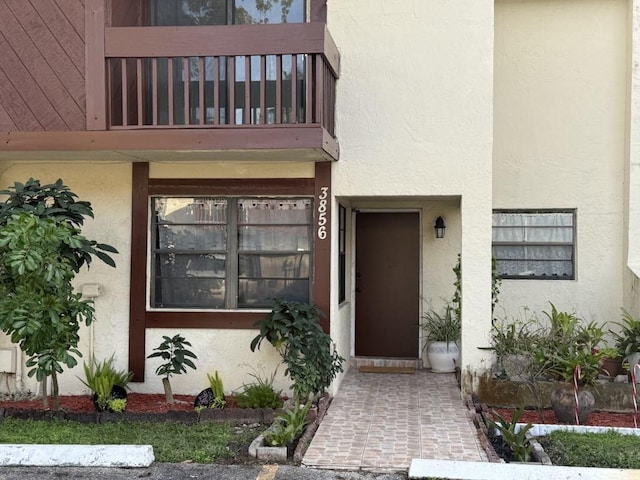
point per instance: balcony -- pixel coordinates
(249, 89)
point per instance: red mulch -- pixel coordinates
(599, 419)
(136, 402)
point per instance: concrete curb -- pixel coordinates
(76, 455)
(421, 468)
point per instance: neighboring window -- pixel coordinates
(227, 253)
(225, 12)
(342, 253)
(534, 244)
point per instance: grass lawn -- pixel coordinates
(605, 450)
(202, 442)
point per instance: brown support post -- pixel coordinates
(137, 301)
(322, 243)
(95, 75)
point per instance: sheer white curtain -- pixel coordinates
(534, 243)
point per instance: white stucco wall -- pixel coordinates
(632, 190)
(559, 140)
(108, 187)
(414, 121)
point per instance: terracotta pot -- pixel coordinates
(564, 404)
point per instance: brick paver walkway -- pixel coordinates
(383, 421)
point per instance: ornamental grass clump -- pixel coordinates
(260, 393)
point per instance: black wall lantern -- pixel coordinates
(439, 227)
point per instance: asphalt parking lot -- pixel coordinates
(170, 471)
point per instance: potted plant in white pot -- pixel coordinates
(441, 336)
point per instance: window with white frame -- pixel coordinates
(534, 244)
(230, 252)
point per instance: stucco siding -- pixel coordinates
(559, 140)
(415, 129)
(632, 170)
(108, 187)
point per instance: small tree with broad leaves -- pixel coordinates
(41, 250)
(177, 359)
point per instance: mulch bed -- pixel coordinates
(596, 419)
(140, 407)
(136, 402)
(494, 447)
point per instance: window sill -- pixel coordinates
(232, 319)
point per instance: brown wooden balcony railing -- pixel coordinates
(221, 76)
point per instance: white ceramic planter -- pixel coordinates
(443, 357)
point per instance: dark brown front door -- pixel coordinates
(387, 284)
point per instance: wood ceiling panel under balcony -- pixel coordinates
(42, 74)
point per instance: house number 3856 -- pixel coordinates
(322, 212)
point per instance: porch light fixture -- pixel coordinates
(439, 227)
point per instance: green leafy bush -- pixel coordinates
(41, 250)
(260, 393)
(566, 342)
(628, 337)
(603, 450)
(287, 426)
(294, 329)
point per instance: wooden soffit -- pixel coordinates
(299, 143)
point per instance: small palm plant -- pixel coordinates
(177, 358)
